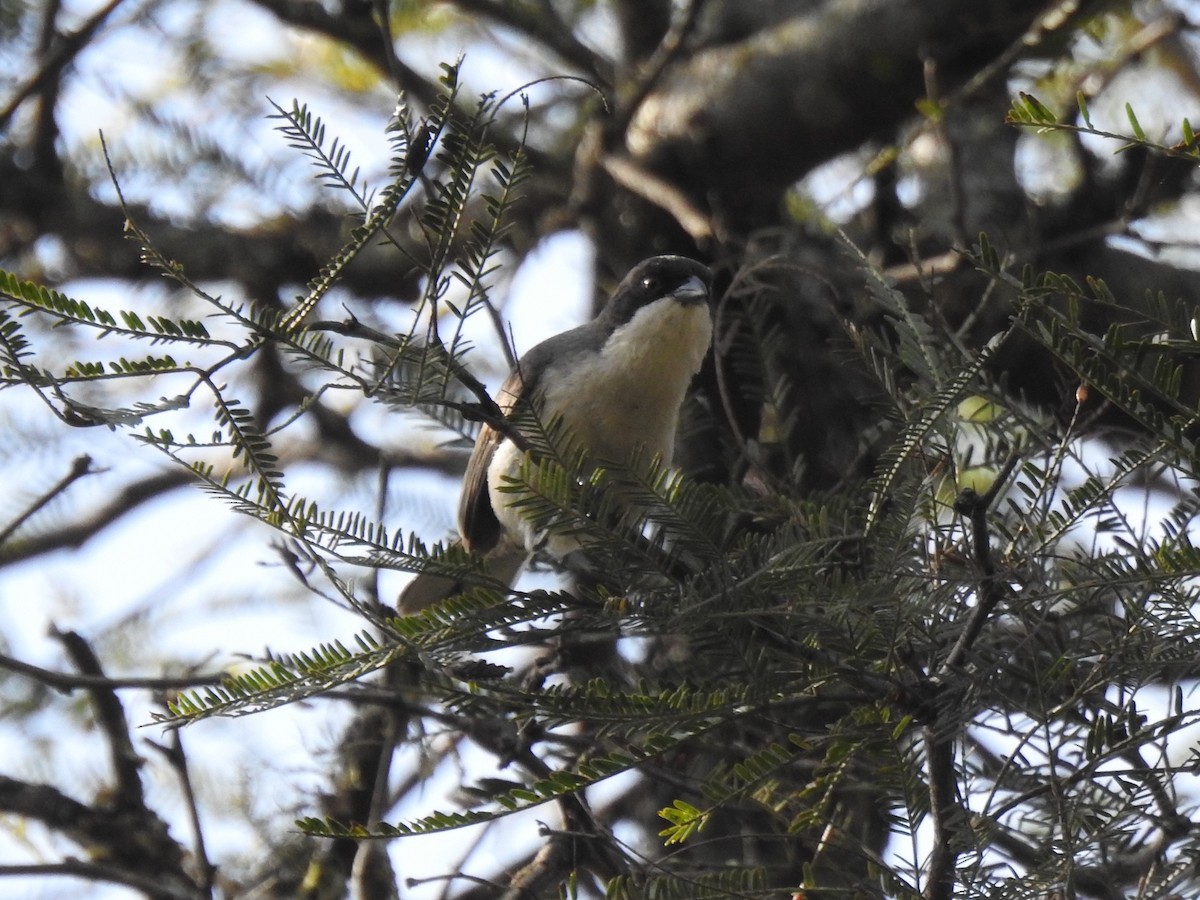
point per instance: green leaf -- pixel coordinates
(1081, 100)
(685, 820)
(1134, 124)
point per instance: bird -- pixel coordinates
(616, 384)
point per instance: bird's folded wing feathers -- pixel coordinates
(477, 521)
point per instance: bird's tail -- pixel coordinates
(503, 563)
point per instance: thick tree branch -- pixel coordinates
(711, 124)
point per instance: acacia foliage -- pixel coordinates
(930, 679)
(916, 619)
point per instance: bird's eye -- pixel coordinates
(650, 285)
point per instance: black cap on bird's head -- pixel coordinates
(678, 277)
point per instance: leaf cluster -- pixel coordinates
(958, 645)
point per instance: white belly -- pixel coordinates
(623, 401)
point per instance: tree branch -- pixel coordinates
(70, 681)
(944, 813)
(660, 192)
(110, 713)
(81, 466)
(76, 533)
(152, 887)
(709, 122)
(990, 591)
(67, 48)
(545, 29)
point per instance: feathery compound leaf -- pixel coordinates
(913, 340)
(916, 434)
(360, 237)
(1134, 124)
(14, 349)
(1114, 365)
(282, 680)
(1029, 110)
(32, 297)
(685, 820)
(723, 884)
(249, 443)
(543, 790)
(421, 374)
(616, 711)
(305, 132)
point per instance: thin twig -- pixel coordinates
(545, 28)
(945, 813)
(151, 886)
(990, 591)
(74, 534)
(177, 760)
(954, 163)
(110, 713)
(70, 681)
(484, 409)
(667, 51)
(81, 466)
(359, 33)
(68, 48)
(656, 190)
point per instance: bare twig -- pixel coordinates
(135, 844)
(359, 32)
(544, 27)
(669, 49)
(990, 591)
(156, 888)
(549, 866)
(58, 59)
(920, 269)
(484, 409)
(175, 757)
(943, 804)
(946, 815)
(954, 162)
(371, 871)
(654, 189)
(110, 713)
(70, 681)
(81, 466)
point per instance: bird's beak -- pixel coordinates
(694, 290)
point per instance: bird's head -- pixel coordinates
(672, 278)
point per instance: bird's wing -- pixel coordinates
(477, 522)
